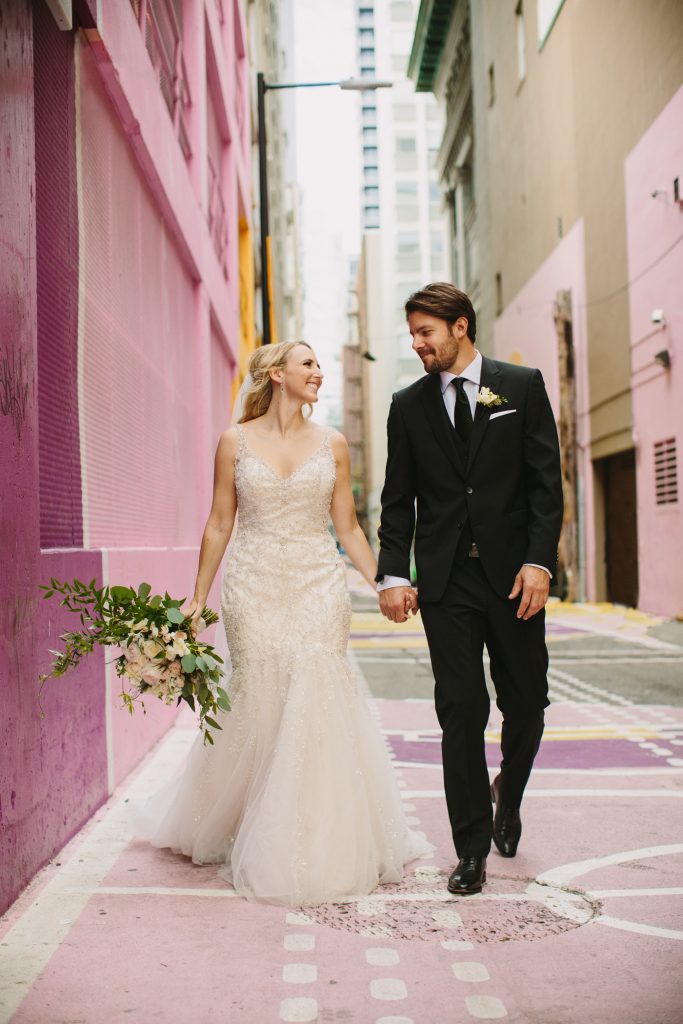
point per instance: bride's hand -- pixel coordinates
(193, 611)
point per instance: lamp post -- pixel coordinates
(348, 84)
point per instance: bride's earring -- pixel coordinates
(282, 388)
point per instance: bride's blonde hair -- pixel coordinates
(266, 358)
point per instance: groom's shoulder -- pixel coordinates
(513, 370)
(406, 394)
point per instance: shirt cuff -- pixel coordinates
(534, 566)
(392, 581)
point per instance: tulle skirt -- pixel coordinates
(297, 800)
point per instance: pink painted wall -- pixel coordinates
(142, 324)
(525, 333)
(52, 771)
(655, 265)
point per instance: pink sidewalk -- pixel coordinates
(584, 924)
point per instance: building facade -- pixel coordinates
(271, 51)
(127, 260)
(579, 171)
(405, 236)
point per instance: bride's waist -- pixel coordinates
(257, 539)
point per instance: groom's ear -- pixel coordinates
(461, 327)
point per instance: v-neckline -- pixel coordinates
(264, 462)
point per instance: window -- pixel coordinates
(521, 50)
(367, 53)
(367, 36)
(370, 176)
(369, 134)
(406, 188)
(371, 193)
(546, 13)
(367, 72)
(666, 472)
(405, 144)
(408, 250)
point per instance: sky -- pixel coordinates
(327, 168)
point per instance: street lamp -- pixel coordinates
(348, 84)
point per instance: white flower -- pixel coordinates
(174, 670)
(178, 646)
(151, 648)
(487, 398)
(151, 673)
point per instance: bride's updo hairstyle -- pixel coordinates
(266, 358)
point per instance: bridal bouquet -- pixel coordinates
(160, 655)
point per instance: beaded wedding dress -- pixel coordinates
(297, 798)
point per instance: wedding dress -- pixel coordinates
(297, 798)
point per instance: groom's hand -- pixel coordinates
(396, 602)
(534, 586)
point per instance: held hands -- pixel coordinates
(194, 609)
(396, 603)
(534, 586)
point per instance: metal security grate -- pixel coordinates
(666, 472)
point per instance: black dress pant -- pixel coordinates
(469, 616)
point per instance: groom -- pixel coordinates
(474, 444)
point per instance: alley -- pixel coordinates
(585, 923)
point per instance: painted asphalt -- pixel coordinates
(585, 924)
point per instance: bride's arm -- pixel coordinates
(343, 513)
(219, 524)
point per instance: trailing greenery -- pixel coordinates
(160, 652)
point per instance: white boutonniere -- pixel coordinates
(487, 398)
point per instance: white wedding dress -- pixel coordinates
(297, 798)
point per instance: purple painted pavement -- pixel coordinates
(584, 753)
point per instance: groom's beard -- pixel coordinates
(437, 362)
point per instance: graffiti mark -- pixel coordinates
(14, 387)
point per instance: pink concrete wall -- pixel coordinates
(138, 364)
(655, 266)
(149, 332)
(525, 333)
(52, 771)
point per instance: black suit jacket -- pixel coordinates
(509, 487)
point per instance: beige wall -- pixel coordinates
(557, 144)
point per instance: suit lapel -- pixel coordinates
(435, 410)
(490, 375)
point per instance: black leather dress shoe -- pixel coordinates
(507, 824)
(468, 877)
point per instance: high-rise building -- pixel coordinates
(401, 208)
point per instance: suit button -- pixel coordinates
(459, 524)
(468, 490)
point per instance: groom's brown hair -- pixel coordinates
(446, 302)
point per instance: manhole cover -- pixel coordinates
(511, 908)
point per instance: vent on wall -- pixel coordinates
(666, 472)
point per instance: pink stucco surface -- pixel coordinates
(655, 265)
(134, 336)
(525, 333)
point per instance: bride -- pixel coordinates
(297, 798)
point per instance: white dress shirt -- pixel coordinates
(472, 377)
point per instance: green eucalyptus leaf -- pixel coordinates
(174, 614)
(144, 590)
(188, 663)
(212, 722)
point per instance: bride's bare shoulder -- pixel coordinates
(338, 443)
(228, 444)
